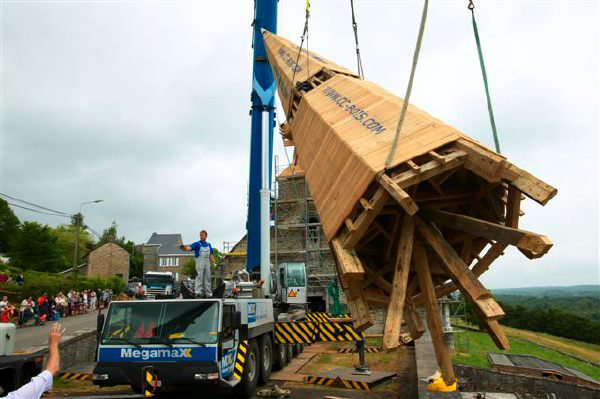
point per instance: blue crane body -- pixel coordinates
(263, 100)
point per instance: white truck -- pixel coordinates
(230, 341)
(159, 285)
(15, 369)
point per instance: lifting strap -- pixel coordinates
(304, 36)
(471, 7)
(409, 87)
(361, 72)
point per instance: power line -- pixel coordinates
(32, 204)
(37, 211)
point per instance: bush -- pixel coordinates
(37, 283)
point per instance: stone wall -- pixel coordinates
(476, 379)
(75, 351)
(107, 261)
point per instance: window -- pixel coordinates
(295, 275)
(150, 322)
(167, 261)
(228, 312)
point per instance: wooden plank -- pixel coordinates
(391, 333)
(430, 169)
(401, 196)
(363, 221)
(359, 308)
(349, 265)
(537, 244)
(459, 272)
(481, 161)
(528, 184)
(434, 318)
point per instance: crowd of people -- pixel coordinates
(54, 307)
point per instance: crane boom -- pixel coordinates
(261, 141)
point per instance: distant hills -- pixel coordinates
(552, 291)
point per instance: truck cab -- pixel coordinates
(158, 285)
(186, 342)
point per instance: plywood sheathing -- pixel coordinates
(430, 224)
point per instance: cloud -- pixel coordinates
(145, 105)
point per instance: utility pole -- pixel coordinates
(78, 222)
(76, 252)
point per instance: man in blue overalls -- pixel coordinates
(204, 257)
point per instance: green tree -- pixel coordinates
(35, 247)
(9, 226)
(65, 235)
(189, 269)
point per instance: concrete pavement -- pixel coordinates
(35, 337)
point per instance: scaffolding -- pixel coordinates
(298, 235)
(454, 315)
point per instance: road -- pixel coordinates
(36, 336)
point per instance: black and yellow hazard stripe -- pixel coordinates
(331, 332)
(370, 349)
(74, 376)
(358, 385)
(240, 360)
(316, 380)
(149, 385)
(300, 332)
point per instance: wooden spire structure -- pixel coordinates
(431, 223)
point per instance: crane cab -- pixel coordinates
(291, 283)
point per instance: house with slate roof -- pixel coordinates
(162, 254)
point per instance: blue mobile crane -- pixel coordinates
(262, 116)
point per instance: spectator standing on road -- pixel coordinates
(92, 300)
(20, 280)
(203, 253)
(43, 381)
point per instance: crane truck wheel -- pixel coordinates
(247, 385)
(296, 349)
(266, 358)
(290, 353)
(279, 355)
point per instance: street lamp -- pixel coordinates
(78, 218)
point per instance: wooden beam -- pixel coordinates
(359, 308)
(401, 196)
(537, 244)
(349, 265)
(376, 298)
(413, 320)
(437, 157)
(391, 332)
(434, 318)
(459, 271)
(430, 169)
(481, 161)
(413, 166)
(496, 250)
(528, 184)
(390, 246)
(363, 221)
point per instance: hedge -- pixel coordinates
(37, 283)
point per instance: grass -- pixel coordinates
(61, 388)
(480, 344)
(583, 350)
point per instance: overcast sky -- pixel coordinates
(145, 105)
